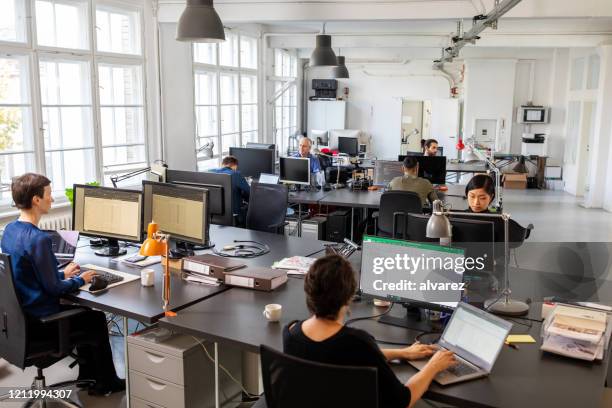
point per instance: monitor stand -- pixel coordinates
(182, 249)
(414, 319)
(112, 248)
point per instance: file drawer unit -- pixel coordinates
(176, 373)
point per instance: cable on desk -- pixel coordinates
(356, 319)
(225, 370)
(243, 249)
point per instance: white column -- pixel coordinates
(600, 177)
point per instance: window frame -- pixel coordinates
(279, 81)
(219, 70)
(35, 53)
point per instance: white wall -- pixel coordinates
(489, 94)
(375, 99)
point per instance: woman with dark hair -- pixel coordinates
(330, 286)
(40, 284)
(480, 192)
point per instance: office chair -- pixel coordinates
(267, 207)
(19, 349)
(392, 216)
(293, 382)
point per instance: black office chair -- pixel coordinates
(267, 207)
(19, 349)
(331, 174)
(293, 382)
(392, 215)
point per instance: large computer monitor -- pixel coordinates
(388, 264)
(181, 211)
(320, 137)
(476, 237)
(254, 161)
(336, 134)
(219, 186)
(295, 170)
(110, 213)
(433, 168)
(348, 145)
(252, 145)
(385, 171)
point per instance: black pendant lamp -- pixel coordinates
(200, 23)
(323, 55)
(340, 71)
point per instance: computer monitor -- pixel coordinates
(401, 157)
(295, 170)
(254, 161)
(348, 145)
(114, 214)
(433, 168)
(385, 171)
(181, 211)
(219, 186)
(320, 137)
(336, 134)
(387, 265)
(476, 237)
(252, 145)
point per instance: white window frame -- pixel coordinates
(278, 130)
(93, 58)
(219, 70)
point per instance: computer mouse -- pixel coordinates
(97, 283)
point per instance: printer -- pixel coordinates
(534, 144)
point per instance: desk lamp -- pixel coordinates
(157, 244)
(439, 226)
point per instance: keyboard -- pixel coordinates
(461, 369)
(109, 277)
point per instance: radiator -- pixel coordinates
(61, 221)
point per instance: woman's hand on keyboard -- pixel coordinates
(442, 360)
(87, 275)
(417, 351)
(71, 270)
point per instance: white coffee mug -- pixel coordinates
(147, 277)
(273, 312)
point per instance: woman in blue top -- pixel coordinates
(40, 284)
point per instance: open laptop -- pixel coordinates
(265, 178)
(476, 337)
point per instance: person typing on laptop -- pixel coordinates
(40, 284)
(330, 285)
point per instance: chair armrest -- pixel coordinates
(528, 230)
(62, 315)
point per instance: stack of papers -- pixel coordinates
(133, 259)
(577, 332)
(296, 265)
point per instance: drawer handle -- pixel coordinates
(156, 385)
(155, 358)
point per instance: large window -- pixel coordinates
(71, 97)
(226, 95)
(285, 92)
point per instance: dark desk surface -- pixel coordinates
(144, 303)
(524, 377)
(306, 197)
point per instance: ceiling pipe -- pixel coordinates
(480, 23)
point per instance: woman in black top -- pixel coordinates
(330, 285)
(480, 192)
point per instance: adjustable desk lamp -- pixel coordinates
(157, 244)
(439, 226)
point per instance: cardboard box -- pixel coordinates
(515, 181)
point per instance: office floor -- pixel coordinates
(557, 216)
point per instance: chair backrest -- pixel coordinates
(293, 382)
(393, 202)
(13, 335)
(267, 207)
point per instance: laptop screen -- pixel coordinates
(268, 178)
(475, 335)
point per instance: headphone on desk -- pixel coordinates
(243, 249)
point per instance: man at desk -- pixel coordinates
(39, 284)
(305, 147)
(240, 188)
(411, 181)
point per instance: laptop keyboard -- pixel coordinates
(461, 369)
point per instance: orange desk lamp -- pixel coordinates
(157, 244)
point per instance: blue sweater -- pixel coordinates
(38, 281)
